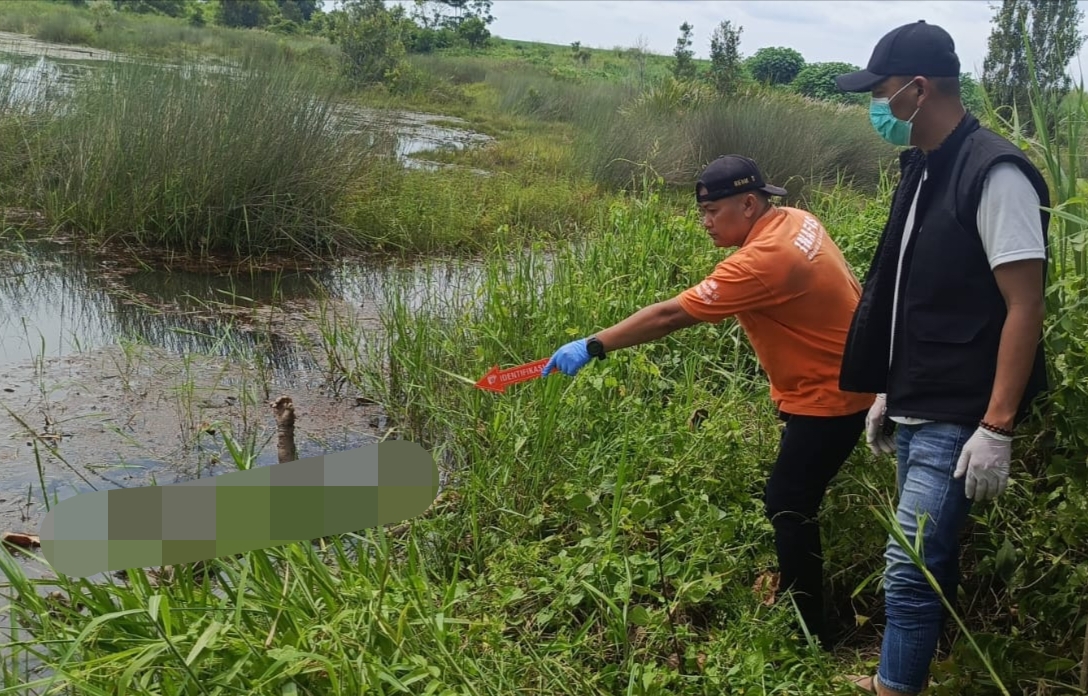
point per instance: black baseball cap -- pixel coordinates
(912, 49)
(732, 174)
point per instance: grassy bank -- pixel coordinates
(595, 539)
(575, 555)
(251, 162)
(158, 36)
(671, 127)
(799, 143)
(161, 158)
(466, 210)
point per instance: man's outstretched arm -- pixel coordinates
(647, 324)
(731, 288)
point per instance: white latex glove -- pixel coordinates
(879, 443)
(985, 460)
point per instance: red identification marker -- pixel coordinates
(497, 380)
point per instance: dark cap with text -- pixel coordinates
(732, 174)
(916, 49)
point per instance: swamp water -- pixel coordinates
(120, 377)
(108, 379)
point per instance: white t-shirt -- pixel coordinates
(1008, 223)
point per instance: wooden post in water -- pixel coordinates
(284, 410)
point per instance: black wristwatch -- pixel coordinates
(595, 348)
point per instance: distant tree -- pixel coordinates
(196, 15)
(971, 94)
(724, 70)
(435, 14)
(1052, 31)
(639, 52)
(102, 11)
(683, 67)
(290, 11)
(474, 31)
(282, 25)
(320, 23)
(371, 37)
(466, 9)
(245, 13)
(776, 65)
(578, 53)
(445, 23)
(171, 8)
(1072, 105)
(817, 80)
(299, 11)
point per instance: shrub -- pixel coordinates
(66, 29)
(798, 143)
(817, 81)
(248, 162)
(775, 65)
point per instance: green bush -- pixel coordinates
(798, 143)
(775, 65)
(65, 29)
(817, 81)
(247, 162)
(554, 97)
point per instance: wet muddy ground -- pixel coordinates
(135, 415)
(114, 374)
(22, 44)
(117, 376)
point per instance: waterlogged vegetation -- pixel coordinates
(601, 535)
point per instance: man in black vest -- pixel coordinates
(948, 330)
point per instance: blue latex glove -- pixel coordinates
(568, 359)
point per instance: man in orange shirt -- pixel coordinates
(794, 295)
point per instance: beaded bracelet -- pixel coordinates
(995, 429)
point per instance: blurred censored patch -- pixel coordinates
(336, 493)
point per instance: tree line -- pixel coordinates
(429, 25)
(1043, 34)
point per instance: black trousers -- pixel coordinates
(811, 452)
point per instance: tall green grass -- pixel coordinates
(528, 93)
(617, 64)
(592, 540)
(590, 543)
(524, 186)
(676, 129)
(583, 461)
(157, 36)
(246, 161)
(511, 86)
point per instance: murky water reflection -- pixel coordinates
(111, 377)
(117, 377)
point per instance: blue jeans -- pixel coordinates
(927, 455)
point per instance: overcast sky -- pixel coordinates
(822, 30)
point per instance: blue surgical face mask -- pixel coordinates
(895, 131)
